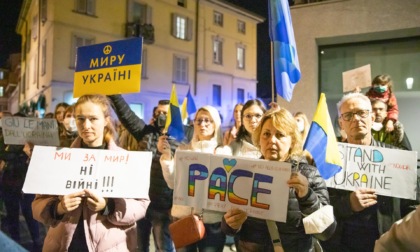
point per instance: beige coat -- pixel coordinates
(114, 232)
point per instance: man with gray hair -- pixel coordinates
(362, 215)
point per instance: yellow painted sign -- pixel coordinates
(109, 68)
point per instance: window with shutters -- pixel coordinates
(77, 41)
(44, 58)
(144, 63)
(181, 27)
(217, 51)
(43, 11)
(241, 27)
(240, 57)
(180, 69)
(218, 18)
(139, 13)
(85, 7)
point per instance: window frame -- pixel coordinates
(44, 11)
(238, 63)
(217, 95)
(180, 69)
(74, 47)
(86, 7)
(218, 18)
(217, 50)
(241, 27)
(144, 64)
(44, 58)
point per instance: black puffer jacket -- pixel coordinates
(147, 136)
(292, 233)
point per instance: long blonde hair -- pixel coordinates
(284, 122)
(103, 102)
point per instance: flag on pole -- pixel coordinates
(322, 143)
(284, 55)
(174, 126)
(188, 106)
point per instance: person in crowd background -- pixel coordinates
(362, 215)
(279, 139)
(230, 134)
(59, 116)
(402, 236)
(206, 137)
(14, 173)
(303, 124)
(69, 134)
(84, 220)
(242, 146)
(49, 115)
(158, 217)
(397, 137)
(126, 140)
(382, 90)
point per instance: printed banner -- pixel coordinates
(219, 183)
(19, 130)
(109, 68)
(112, 174)
(391, 172)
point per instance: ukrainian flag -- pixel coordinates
(188, 106)
(322, 143)
(174, 126)
(286, 68)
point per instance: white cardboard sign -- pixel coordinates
(19, 130)
(112, 174)
(391, 172)
(219, 183)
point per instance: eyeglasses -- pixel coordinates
(250, 116)
(349, 115)
(206, 121)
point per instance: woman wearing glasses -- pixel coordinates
(206, 137)
(251, 115)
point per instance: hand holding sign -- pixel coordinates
(299, 183)
(95, 202)
(362, 198)
(235, 218)
(69, 202)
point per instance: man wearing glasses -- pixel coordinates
(362, 215)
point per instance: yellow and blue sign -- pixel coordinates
(109, 68)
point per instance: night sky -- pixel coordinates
(10, 41)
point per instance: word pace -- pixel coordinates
(222, 184)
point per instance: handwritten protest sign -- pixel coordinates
(109, 68)
(358, 77)
(19, 130)
(113, 174)
(391, 172)
(217, 182)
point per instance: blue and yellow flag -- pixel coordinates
(174, 126)
(188, 106)
(286, 68)
(322, 143)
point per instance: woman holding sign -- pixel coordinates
(279, 139)
(85, 221)
(206, 137)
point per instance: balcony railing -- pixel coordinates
(147, 31)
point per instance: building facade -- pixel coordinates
(208, 46)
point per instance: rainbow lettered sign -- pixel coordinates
(109, 68)
(219, 183)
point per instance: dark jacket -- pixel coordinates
(292, 233)
(15, 169)
(382, 215)
(147, 136)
